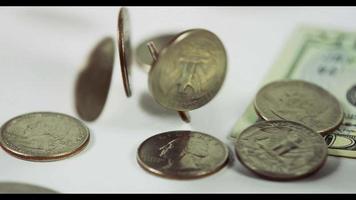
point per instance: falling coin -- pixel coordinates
(154, 54)
(93, 83)
(43, 136)
(143, 56)
(23, 188)
(189, 72)
(302, 102)
(124, 48)
(182, 154)
(281, 150)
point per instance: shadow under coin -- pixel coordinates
(243, 170)
(148, 104)
(330, 166)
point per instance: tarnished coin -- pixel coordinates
(43, 136)
(23, 188)
(124, 46)
(189, 72)
(93, 83)
(182, 154)
(143, 56)
(299, 101)
(281, 150)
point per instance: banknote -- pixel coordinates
(327, 58)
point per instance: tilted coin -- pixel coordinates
(93, 83)
(23, 188)
(299, 101)
(153, 50)
(43, 136)
(281, 150)
(182, 154)
(189, 72)
(143, 57)
(124, 46)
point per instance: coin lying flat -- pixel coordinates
(182, 154)
(43, 136)
(23, 188)
(189, 72)
(299, 101)
(281, 150)
(124, 48)
(143, 55)
(93, 83)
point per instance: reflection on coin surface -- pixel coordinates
(281, 150)
(301, 102)
(143, 55)
(182, 154)
(93, 83)
(43, 136)
(124, 48)
(23, 188)
(189, 72)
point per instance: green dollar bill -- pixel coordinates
(328, 59)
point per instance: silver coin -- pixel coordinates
(182, 154)
(23, 188)
(43, 136)
(124, 45)
(281, 150)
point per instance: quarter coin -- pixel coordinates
(182, 154)
(189, 71)
(23, 188)
(281, 150)
(43, 136)
(124, 46)
(93, 83)
(301, 102)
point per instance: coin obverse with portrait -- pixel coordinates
(182, 154)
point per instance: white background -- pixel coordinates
(42, 50)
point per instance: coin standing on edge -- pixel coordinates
(281, 150)
(93, 83)
(299, 101)
(23, 188)
(43, 136)
(143, 56)
(189, 72)
(182, 154)
(124, 45)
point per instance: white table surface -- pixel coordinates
(42, 49)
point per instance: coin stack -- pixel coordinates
(287, 143)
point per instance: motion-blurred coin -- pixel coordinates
(124, 48)
(23, 188)
(143, 56)
(189, 72)
(182, 154)
(281, 150)
(43, 136)
(299, 101)
(93, 83)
